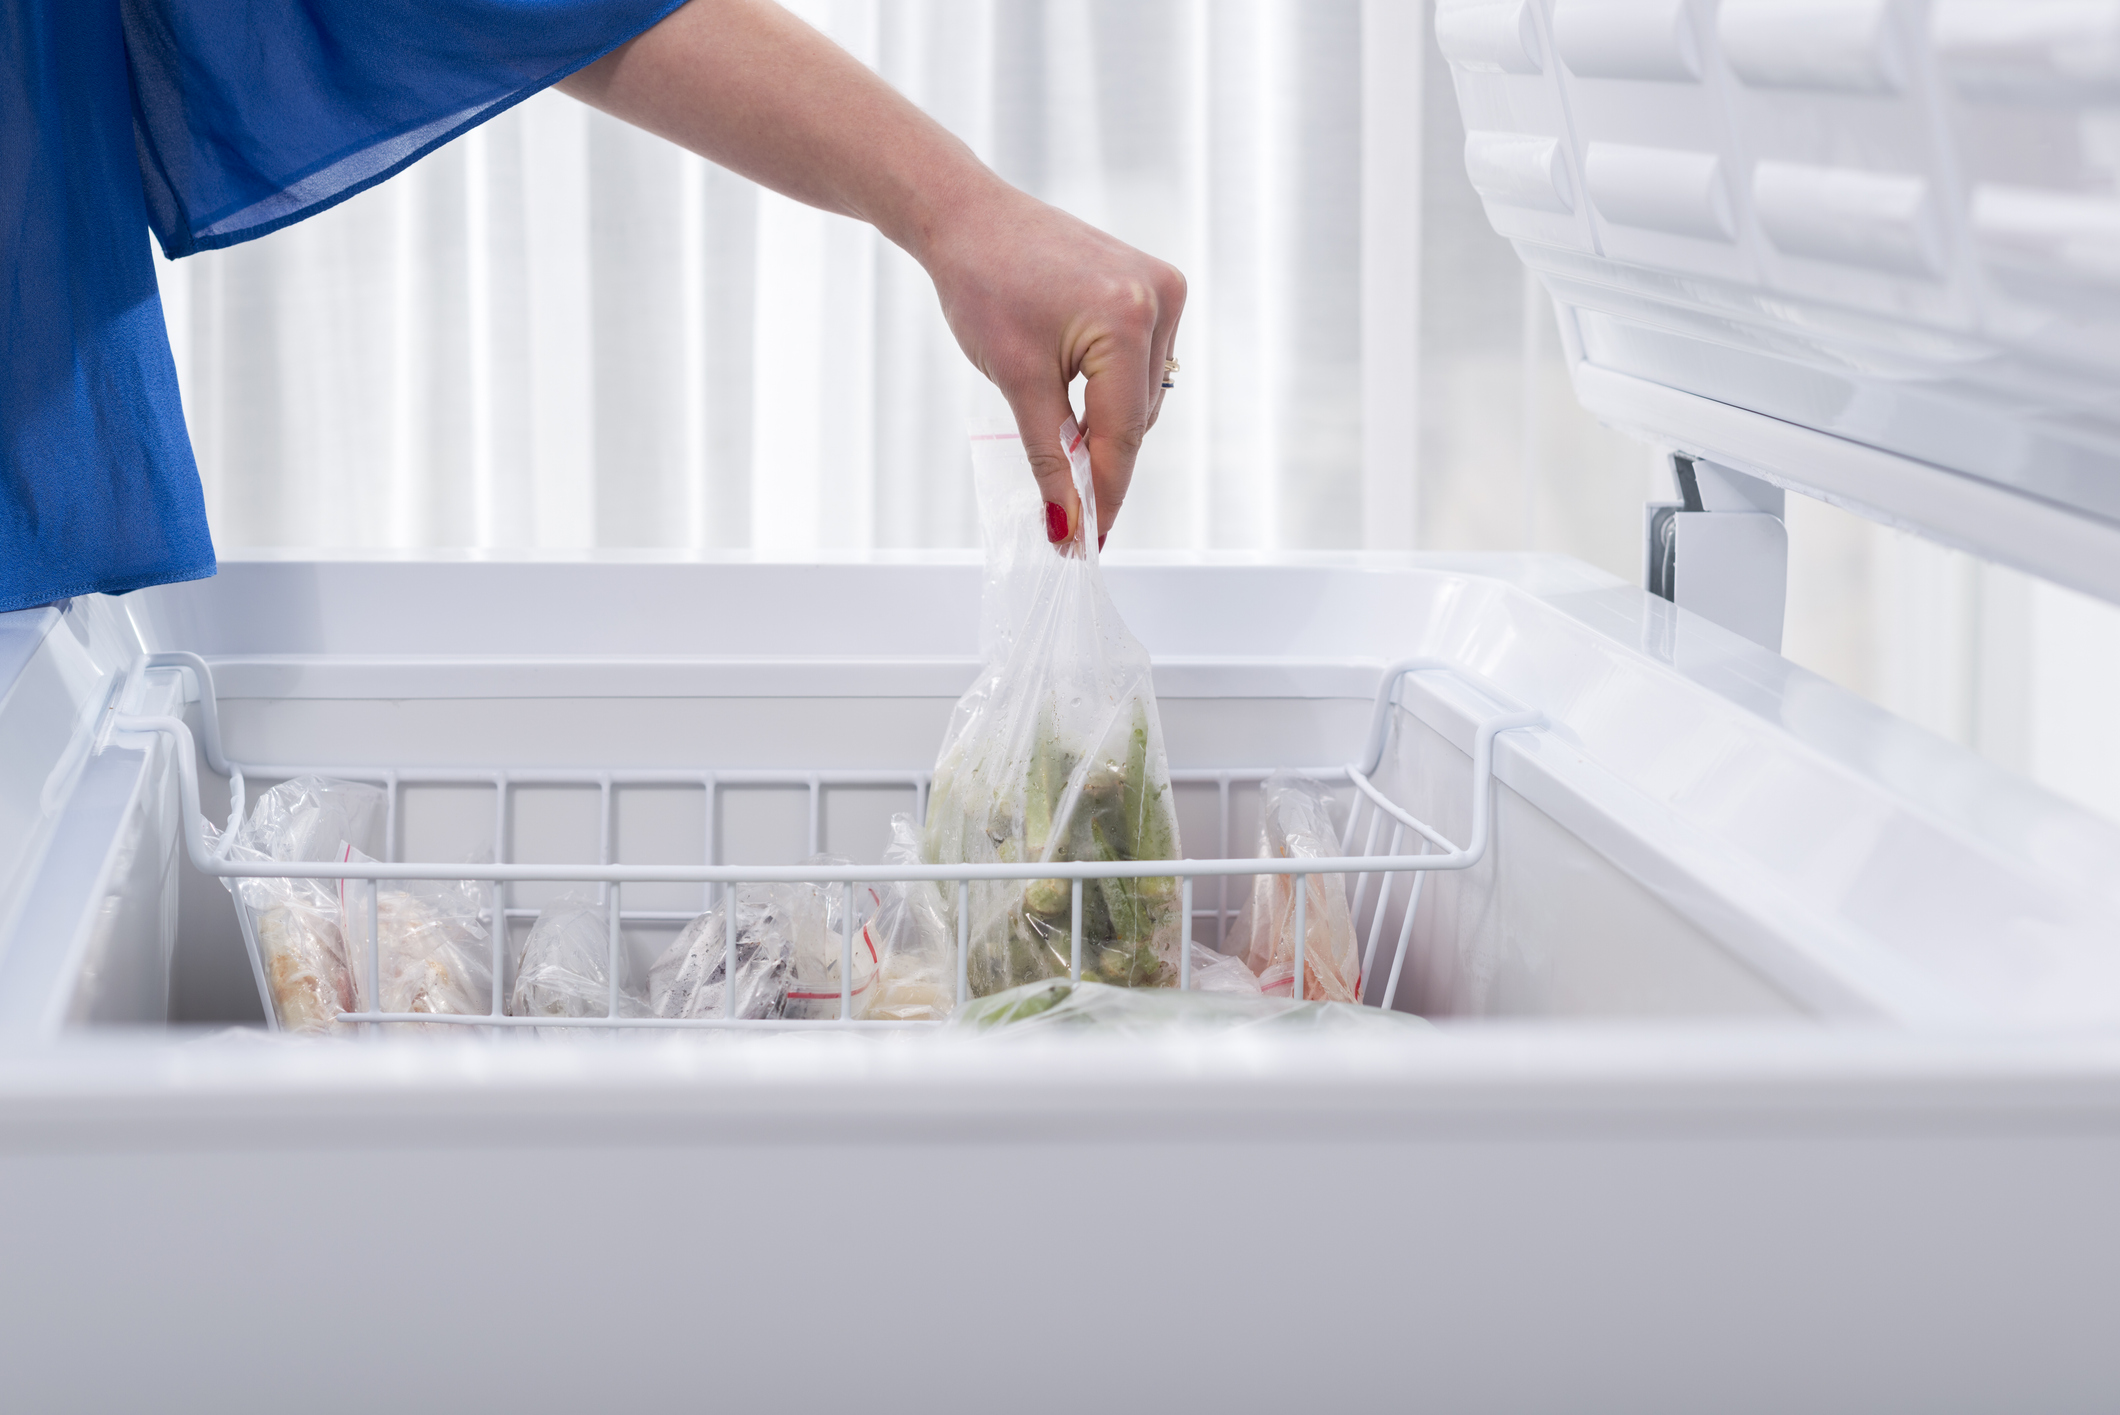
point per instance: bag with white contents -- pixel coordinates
(788, 946)
(1056, 753)
(436, 955)
(1220, 972)
(295, 922)
(821, 937)
(1295, 823)
(916, 978)
(565, 967)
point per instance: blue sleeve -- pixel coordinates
(252, 114)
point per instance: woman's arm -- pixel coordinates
(1033, 295)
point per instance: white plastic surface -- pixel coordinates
(1733, 568)
(1543, 1219)
(88, 829)
(1891, 224)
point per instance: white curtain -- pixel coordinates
(562, 332)
(559, 332)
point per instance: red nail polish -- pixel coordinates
(1100, 542)
(1055, 522)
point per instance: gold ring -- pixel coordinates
(1170, 366)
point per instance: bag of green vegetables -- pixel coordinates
(1055, 754)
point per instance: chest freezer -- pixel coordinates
(1769, 1057)
(1762, 1018)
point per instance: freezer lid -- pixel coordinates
(1867, 249)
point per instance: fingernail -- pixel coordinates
(1100, 541)
(1055, 522)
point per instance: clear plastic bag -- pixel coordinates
(788, 945)
(918, 946)
(690, 979)
(305, 961)
(1220, 972)
(295, 922)
(565, 967)
(906, 933)
(1295, 823)
(1055, 754)
(311, 819)
(1058, 1006)
(819, 940)
(436, 956)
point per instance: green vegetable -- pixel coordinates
(1015, 1005)
(1108, 807)
(1059, 1006)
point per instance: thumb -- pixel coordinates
(1039, 413)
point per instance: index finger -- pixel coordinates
(1115, 414)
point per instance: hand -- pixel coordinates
(1033, 295)
(1036, 297)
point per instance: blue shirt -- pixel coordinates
(213, 122)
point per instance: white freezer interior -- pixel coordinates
(1794, 1028)
(1702, 830)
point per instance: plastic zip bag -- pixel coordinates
(436, 954)
(819, 916)
(309, 819)
(1295, 823)
(690, 979)
(1220, 972)
(565, 966)
(916, 978)
(787, 956)
(295, 922)
(304, 958)
(1058, 1006)
(1055, 754)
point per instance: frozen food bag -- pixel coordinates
(295, 922)
(907, 934)
(1220, 972)
(565, 968)
(691, 978)
(436, 954)
(309, 818)
(1055, 754)
(305, 964)
(820, 939)
(1295, 823)
(788, 946)
(1057, 1006)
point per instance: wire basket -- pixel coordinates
(1380, 859)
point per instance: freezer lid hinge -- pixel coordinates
(1721, 550)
